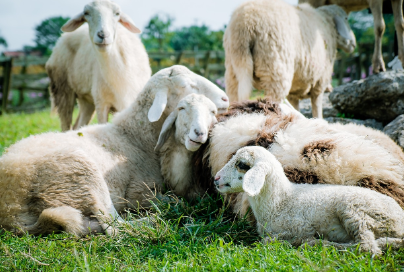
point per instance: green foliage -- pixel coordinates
(48, 32)
(3, 41)
(345, 115)
(156, 34)
(197, 38)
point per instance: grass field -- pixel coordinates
(199, 236)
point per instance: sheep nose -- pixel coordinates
(198, 133)
(225, 99)
(103, 34)
(217, 180)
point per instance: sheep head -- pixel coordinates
(345, 36)
(246, 171)
(173, 83)
(102, 17)
(191, 120)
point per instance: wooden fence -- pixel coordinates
(28, 74)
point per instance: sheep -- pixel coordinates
(301, 213)
(310, 150)
(103, 64)
(285, 50)
(379, 25)
(99, 170)
(183, 132)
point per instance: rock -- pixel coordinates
(372, 123)
(328, 110)
(395, 130)
(380, 97)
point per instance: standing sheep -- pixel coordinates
(285, 50)
(376, 7)
(104, 65)
(60, 178)
(302, 212)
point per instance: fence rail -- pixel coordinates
(28, 73)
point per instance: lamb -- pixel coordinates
(285, 50)
(99, 170)
(104, 65)
(301, 213)
(379, 25)
(310, 151)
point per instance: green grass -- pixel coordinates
(200, 236)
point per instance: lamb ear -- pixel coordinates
(127, 22)
(254, 180)
(158, 107)
(341, 27)
(73, 23)
(168, 126)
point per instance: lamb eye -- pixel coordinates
(181, 108)
(86, 13)
(243, 166)
(117, 14)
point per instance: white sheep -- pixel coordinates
(104, 65)
(376, 7)
(99, 170)
(183, 132)
(285, 50)
(301, 213)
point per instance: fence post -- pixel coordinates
(7, 67)
(23, 86)
(206, 68)
(179, 56)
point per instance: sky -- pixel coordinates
(18, 18)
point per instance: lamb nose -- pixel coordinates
(225, 99)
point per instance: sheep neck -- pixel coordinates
(176, 166)
(277, 189)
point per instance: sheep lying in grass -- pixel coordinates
(104, 65)
(183, 132)
(310, 151)
(285, 50)
(301, 213)
(100, 170)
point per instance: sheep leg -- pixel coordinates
(86, 111)
(102, 113)
(317, 104)
(231, 81)
(106, 214)
(394, 243)
(377, 61)
(399, 24)
(294, 101)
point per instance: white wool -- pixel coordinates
(284, 50)
(299, 213)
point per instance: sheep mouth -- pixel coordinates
(222, 186)
(195, 142)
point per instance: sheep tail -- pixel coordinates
(64, 218)
(243, 65)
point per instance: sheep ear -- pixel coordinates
(158, 107)
(168, 126)
(254, 180)
(341, 27)
(127, 22)
(73, 23)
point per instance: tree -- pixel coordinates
(157, 32)
(197, 38)
(48, 32)
(3, 41)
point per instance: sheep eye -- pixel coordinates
(214, 112)
(181, 108)
(86, 13)
(243, 166)
(117, 14)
